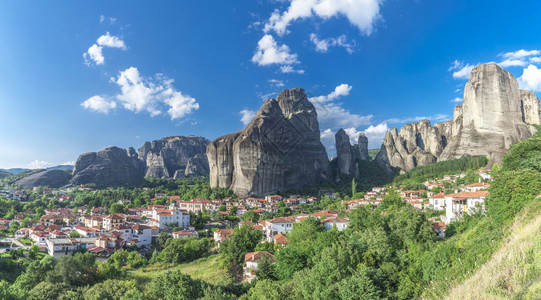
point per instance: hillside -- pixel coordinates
(514, 270)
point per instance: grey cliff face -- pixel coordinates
(50, 178)
(280, 149)
(530, 107)
(348, 155)
(111, 166)
(169, 157)
(490, 119)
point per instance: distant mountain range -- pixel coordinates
(20, 170)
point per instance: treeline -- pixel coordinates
(437, 170)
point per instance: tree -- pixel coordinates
(163, 238)
(233, 210)
(110, 289)
(266, 289)
(222, 208)
(175, 285)
(353, 188)
(392, 199)
(74, 234)
(265, 268)
(78, 270)
(116, 208)
(241, 241)
(250, 215)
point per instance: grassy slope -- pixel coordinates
(514, 271)
(207, 269)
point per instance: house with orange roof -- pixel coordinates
(252, 260)
(459, 204)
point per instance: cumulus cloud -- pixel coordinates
(145, 94)
(39, 164)
(375, 134)
(332, 114)
(456, 100)
(268, 52)
(519, 54)
(111, 41)
(68, 163)
(535, 59)
(247, 116)
(341, 90)
(138, 94)
(99, 104)
(461, 70)
(323, 45)
(360, 13)
(530, 79)
(512, 63)
(94, 54)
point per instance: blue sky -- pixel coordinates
(78, 77)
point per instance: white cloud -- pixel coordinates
(289, 69)
(145, 94)
(247, 116)
(519, 54)
(38, 164)
(99, 104)
(456, 100)
(68, 163)
(332, 114)
(327, 133)
(95, 54)
(268, 52)
(324, 44)
(535, 59)
(276, 82)
(463, 72)
(111, 41)
(360, 13)
(110, 19)
(512, 63)
(102, 18)
(341, 90)
(436, 117)
(530, 79)
(139, 94)
(375, 135)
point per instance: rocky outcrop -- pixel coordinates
(530, 107)
(175, 157)
(490, 119)
(278, 150)
(111, 166)
(50, 178)
(348, 155)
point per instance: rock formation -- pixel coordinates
(530, 108)
(112, 166)
(169, 157)
(347, 156)
(492, 117)
(50, 178)
(280, 149)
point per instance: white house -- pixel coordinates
(252, 261)
(275, 226)
(341, 224)
(437, 201)
(163, 218)
(185, 234)
(66, 246)
(458, 204)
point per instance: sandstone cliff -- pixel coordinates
(50, 178)
(348, 155)
(280, 149)
(492, 117)
(111, 166)
(175, 157)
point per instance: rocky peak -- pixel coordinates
(490, 119)
(278, 150)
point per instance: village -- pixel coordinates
(64, 231)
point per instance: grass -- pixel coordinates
(208, 269)
(514, 271)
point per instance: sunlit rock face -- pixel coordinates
(278, 150)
